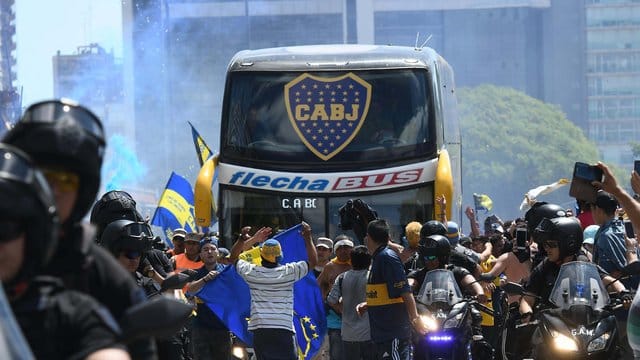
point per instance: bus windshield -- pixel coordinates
(304, 119)
(283, 210)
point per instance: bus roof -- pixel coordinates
(333, 57)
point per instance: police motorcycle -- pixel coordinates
(449, 318)
(582, 323)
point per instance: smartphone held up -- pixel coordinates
(581, 183)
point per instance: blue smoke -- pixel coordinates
(122, 167)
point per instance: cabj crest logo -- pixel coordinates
(327, 113)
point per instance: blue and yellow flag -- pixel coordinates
(482, 202)
(229, 298)
(202, 149)
(175, 208)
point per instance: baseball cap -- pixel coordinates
(343, 242)
(606, 201)
(590, 234)
(209, 240)
(271, 251)
(324, 242)
(179, 233)
(193, 236)
(453, 233)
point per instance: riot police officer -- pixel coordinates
(57, 323)
(128, 241)
(66, 141)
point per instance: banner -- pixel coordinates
(175, 208)
(202, 149)
(229, 298)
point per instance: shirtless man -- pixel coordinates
(341, 263)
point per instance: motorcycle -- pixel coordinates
(450, 319)
(581, 324)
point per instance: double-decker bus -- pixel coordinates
(306, 128)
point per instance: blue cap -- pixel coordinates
(453, 233)
(209, 240)
(589, 234)
(271, 251)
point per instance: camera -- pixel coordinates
(355, 215)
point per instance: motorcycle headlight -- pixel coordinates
(429, 322)
(453, 322)
(563, 342)
(238, 352)
(598, 343)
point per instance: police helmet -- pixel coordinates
(539, 211)
(63, 134)
(113, 205)
(435, 245)
(565, 230)
(127, 235)
(27, 206)
(432, 227)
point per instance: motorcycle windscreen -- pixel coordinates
(439, 286)
(579, 283)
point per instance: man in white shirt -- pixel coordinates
(271, 288)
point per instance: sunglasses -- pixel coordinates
(131, 254)
(10, 230)
(430, 257)
(550, 244)
(65, 181)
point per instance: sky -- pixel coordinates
(44, 27)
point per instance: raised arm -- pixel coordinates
(308, 243)
(610, 185)
(475, 228)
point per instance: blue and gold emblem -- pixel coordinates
(327, 113)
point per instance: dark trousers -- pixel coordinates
(335, 345)
(210, 343)
(359, 350)
(274, 344)
(396, 349)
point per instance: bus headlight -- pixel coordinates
(598, 343)
(563, 342)
(429, 322)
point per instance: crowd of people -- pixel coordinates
(71, 285)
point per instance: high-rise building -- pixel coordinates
(93, 77)
(613, 75)
(9, 96)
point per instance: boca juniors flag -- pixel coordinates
(327, 113)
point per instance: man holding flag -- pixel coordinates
(271, 288)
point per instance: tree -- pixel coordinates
(512, 142)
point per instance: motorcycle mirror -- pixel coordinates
(512, 288)
(175, 281)
(159, 317)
